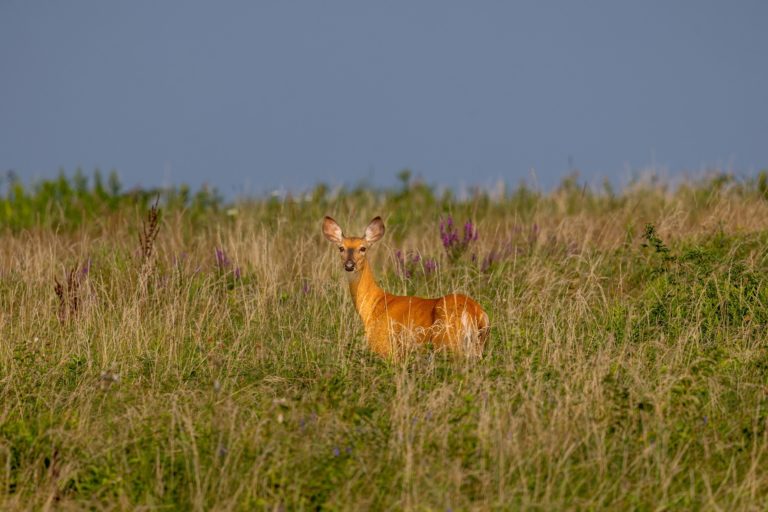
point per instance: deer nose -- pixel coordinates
(349, 265)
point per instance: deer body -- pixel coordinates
(392, 322)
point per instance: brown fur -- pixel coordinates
(395, 323)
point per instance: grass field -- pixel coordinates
(212, 359)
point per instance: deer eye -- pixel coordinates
(341, 249)
(362, 249)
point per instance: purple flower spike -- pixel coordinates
(454, 245)
(467, 232)
(489, 261)
(86, 268)
(411, 264)
(221, 259)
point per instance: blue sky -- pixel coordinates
(252, 96)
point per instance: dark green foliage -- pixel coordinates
(68, 203)
(762, 184)
(707, 285)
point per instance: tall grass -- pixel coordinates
(219, 363)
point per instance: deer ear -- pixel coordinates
(374, 231)
(332, 230)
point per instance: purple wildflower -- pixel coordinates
(448, 233)
(402, 265)
(222, 261)
(454, 245)
(238, 273)
(470, 233)
(412, 263)
(489, 260)
(86, 268)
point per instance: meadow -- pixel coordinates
(170, 350)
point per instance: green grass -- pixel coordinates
(627, 367)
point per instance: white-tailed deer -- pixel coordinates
(393, 323)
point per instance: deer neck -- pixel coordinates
(365, 292)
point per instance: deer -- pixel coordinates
(394, 324)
